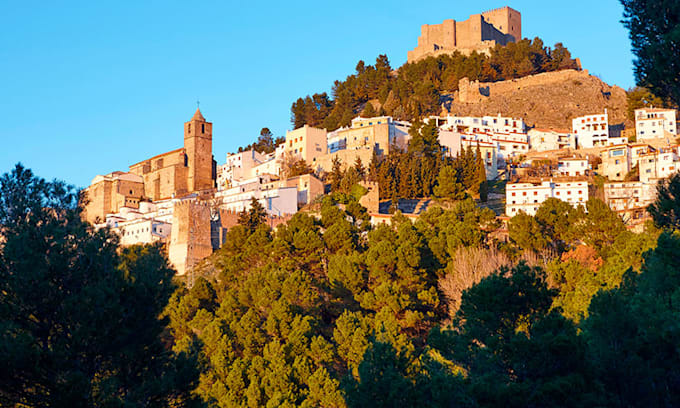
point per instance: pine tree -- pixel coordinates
(336, 174)
(369, 111)
(80, 316)
(359, 167)
(253, 217)
(481, 183)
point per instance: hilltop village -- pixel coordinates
(188, 198)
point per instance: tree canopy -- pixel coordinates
(80, 319)
(654, 28)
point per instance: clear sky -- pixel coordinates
(90, 87)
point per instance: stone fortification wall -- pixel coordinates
(475, 91)
(190, 237)
(547, 100)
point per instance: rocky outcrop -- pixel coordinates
(547, 100)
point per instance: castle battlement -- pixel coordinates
(496, 9)
(480, 33)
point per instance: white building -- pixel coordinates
(627, 195)
(510, 144)
(541, 140)
(654, 123)
(336, 141)
(379, 129)
(306, 143)
(277, 201)
(149, 223)
(248, 164)
(572, 166)
(143, 231)
(591, 130)
(451, 142)
(484, 124)
(630, 198)
(528, 197)
(659, 164)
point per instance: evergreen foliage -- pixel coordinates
(254, 216)
(654, 27)
(413, 91)
(332, 312)
(424, 171)
(79, 318)
(666, 209)
(265, 142)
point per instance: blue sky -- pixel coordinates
(90, 87)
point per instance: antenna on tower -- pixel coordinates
(198, 103)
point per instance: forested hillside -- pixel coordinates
(574, 311)
(414, 90)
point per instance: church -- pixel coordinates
(178, 173)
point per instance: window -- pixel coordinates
(202, 127)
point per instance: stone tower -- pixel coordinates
(190, 236)
(507, 21)
(198, 147)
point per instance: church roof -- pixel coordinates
(198, 116)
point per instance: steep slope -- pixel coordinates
(547, 100)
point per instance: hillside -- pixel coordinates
(546, 100)
(415, 90)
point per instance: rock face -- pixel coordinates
(548, 100)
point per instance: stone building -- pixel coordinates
(172, 174)
(480, 33)
(109, 193)
(182, 171)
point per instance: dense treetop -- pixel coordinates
(330, 311)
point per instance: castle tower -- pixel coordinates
(190, 235)
(198, 146)
(506, 20)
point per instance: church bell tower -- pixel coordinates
(198, 146)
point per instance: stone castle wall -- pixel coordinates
(480, 33)
(475, 91)
(548, 100)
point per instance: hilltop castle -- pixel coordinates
(480, 33)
